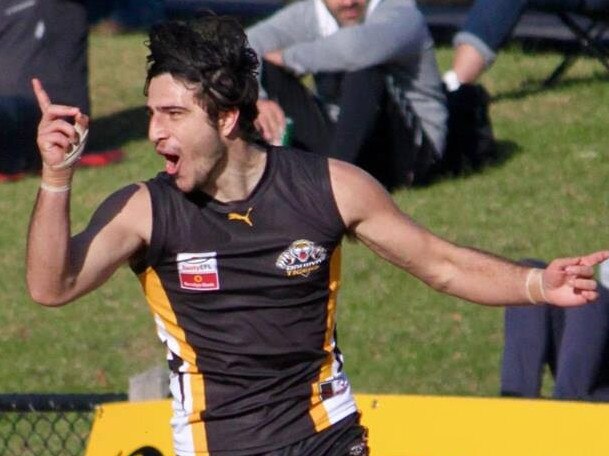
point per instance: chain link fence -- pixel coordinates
(48, 424)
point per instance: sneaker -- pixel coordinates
(103, 158)
(11, 177)
(470, 138)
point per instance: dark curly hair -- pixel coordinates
(213, 53)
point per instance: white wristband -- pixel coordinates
(54, 188)
(534, 287)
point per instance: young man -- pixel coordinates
(378, 99)
(237, 248)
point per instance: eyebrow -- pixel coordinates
(165, 108)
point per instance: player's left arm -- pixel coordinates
(372, 216)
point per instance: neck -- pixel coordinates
(240, 172)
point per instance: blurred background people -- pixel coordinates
(375, 97)
(48, 39)
(489, 26)
(34, 41)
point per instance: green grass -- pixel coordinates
(546, 198)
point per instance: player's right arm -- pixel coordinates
(61, 267)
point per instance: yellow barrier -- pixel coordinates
(403, 426)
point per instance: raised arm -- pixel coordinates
(464, 272)
(61, 268)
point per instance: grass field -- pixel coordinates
(547, 197)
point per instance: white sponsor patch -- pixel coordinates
(333, 387)
(198, 271)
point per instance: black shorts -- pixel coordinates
(345, 438)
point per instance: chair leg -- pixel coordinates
(586, 40)
(567, 62)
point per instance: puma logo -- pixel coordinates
(245, 218)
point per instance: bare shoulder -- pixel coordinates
(133, 198)
(128, 210)
(358, 195)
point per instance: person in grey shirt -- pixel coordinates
(375, 98)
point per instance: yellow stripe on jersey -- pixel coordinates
(161, 306)
(199, 435)
(318, 413)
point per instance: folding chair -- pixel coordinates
(590, 31)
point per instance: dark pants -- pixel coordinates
(532, 337)
(19, 117)
(573, 342)
(370, 131)
(493, 20)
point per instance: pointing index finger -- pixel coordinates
(595, 258)
(43, 99)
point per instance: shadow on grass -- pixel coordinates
(534, 86)
(505, 150)
(114, 130)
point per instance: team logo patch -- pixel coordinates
(198, 271)
(301, 258)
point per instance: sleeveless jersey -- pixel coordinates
(244, 297)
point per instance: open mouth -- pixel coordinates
(171, 162)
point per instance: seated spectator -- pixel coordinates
(489, 26)
(45, 39)
(375, 97)
(572, 342)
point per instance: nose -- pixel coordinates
(156, 131)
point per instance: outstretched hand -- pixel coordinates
(56, 135)
(570, 282)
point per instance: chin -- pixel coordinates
(350, 23)
(183, 185)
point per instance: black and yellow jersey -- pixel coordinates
(244, 297)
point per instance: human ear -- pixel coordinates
(228, 122)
